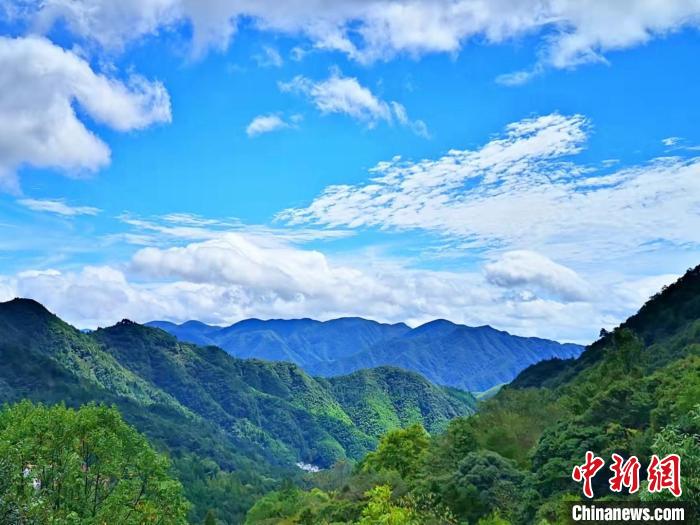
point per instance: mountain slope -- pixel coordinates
(666, 324)
(474, 359)
(634, 392)
(272, 406)
(254, 419)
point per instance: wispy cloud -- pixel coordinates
(345, 95)
(522, 191)
(269, 57)
(59, 207)
(172, 228)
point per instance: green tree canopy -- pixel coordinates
(210, 518)
(87, 466)
(381, 511)
(402, 450)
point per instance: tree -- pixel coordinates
(402, 450)
(484, 482)
(672, 441)
(60, 465)
(210, 518)
(381, 511)
(493, 519)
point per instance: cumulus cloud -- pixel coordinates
(40, 84)
(345, 95)
(237, 276)
(58, 207)
(266, 124)
(523, 268)
(523, 191)
(220, 271)
(108, 23)
(573, 32)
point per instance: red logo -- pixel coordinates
(662, 474)
(626, 474)
(665, 474)
(587, 471)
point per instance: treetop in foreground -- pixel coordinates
(64, 466)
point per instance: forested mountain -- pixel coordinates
(233, 426)
(306, 342)
(635, 391)
(473, 359)
(469, 358)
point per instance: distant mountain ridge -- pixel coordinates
(272, 409)
(469, 358)
(252, 419)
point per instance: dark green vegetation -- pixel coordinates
(473, 359)
(59, 465)
(232, 427)
(636, 391)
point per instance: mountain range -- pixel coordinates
(633, 393)
(469, 358)
(247, 419)
(234, 428)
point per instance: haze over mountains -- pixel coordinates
(470, 358)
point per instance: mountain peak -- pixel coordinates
(26, 312)
(25, 304)
(440, 325)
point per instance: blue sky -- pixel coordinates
(534, 167)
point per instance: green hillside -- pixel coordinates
(232, 426)
(636, 391)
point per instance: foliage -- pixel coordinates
(233, 427)
(401, 450)
(381, 511)
(633, 392)
(59, 465)
(672, 440)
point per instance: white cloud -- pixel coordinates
(345, 95)
(111, 24)
(518, 78)
(269, 57)
(671, 141)
(519, 191)
(340, 94)
(265, 124)
(633, 292)
(238, 276)
(58, 207)
(572, 31)
(220, 271)
(40, 85)
(523, 268)
(179, 227)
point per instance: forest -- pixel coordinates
(391, 447)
